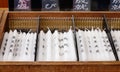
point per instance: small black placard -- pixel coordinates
(50, 5)
(81, 5)
(22, 5)
(115, 5)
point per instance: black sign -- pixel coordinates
(22, 4)
(81, 5)
(50, 5)
(115, 5)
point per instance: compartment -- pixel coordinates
(93, 39)
(56, 39)
(20, 41)
(114, 26)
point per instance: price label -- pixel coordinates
(115, 5)
(50, 5)
(81, 5)
(22, 4)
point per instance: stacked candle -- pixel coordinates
(18, 46)
(93, 45)
(57, 46)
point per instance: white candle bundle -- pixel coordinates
(18, 46)
(93, 45)
(116, 40)
(56, 47)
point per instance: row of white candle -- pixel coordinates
(93, 45)
(57, 46)
(18, 46)
(116, 40)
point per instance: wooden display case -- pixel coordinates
(10, 19)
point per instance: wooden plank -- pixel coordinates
(92, 63)
(2, 25)
(64, 13)
(3, 20)
(60, 67)
(4, 9)
(1, 13)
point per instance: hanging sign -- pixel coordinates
(50, 5)
(81, 5)
(22, 5)
(115, 5)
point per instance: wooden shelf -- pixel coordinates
(59, 66)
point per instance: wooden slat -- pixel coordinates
(65, 13)
(89, 63)
(2, 25)
(60, 67)
(3, 20)
(4, 9)
(1, 13)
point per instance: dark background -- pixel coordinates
(66, 5)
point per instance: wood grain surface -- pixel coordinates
(3, 3)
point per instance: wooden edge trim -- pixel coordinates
(113, 63)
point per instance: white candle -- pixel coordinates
(55, 46)
(48, 45)
(41, 47)
(3, 46)
(17, 47)
(22, 49)
(33, 47)
(5, 58)
(98, 50)
(66, 48)
(104, 54)
(91, 46)
(61, 58)
(81, 45)
(12, 45)
(72, 48)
